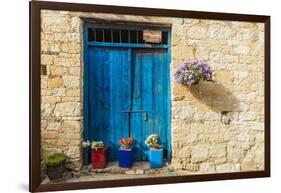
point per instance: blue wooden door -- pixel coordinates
(109, 93)
(150, 96)
(128, 96)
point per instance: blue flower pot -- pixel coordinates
(156, 158)
(125, 158)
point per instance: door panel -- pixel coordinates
(150, 79)
(109, 82)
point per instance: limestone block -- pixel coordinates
(234, 154)
(217, 151)
(230, 59)
(50, 47)
(239, 24)
(75, 142)
(228, 167)
(73, 151)
(58, 70)
(44, 83)
(177, 164)
(199, 116)
(67, 37)
(46, 59)
(202, 53)
(71, 81)
(261, 37)
(215, 57)
(50, 99)
(198, 127)
(219, 32)
(223, 76)
(43, 124)
(71, 47)
(197, 32)
(76, 24)
(55, 23)
(55, 82)
(67, 109)
(75, 71)
(49, 134)
(240, 75)
(46, 110)
(183, 112)
(71, 125)
(212, 116)
(182, 53)
(245, 137)
(242, 49)
(191, 167)
(192, 138)
(178, 29)
(250, 35)
(247, 116)
(199, 153)
(67, 62)
(248, 165)
(58, 91)
(53, 126)
(191, 21)
(207, 167)
(73, 92)
(245, 97)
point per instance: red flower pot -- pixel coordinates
(99, 158)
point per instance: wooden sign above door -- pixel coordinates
(152, 36)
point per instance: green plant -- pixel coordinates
(54, 159)
(152, 141)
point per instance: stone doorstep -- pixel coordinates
(140, 169)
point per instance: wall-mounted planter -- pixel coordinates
(155, 158)
(99, 158)
(125, 158)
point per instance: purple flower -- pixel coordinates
(191, 72)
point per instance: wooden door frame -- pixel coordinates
(128, 25)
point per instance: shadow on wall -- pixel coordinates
(216, 96)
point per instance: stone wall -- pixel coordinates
(216, 126)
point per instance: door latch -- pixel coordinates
(145, 117)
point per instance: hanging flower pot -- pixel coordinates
(191, 72)
(155, 151)
(125, 153)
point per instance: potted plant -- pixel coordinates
(155, 151)
(55, 165)
(125, 153)
(191, 72)
(99, 153)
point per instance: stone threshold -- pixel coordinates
(113, 171)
